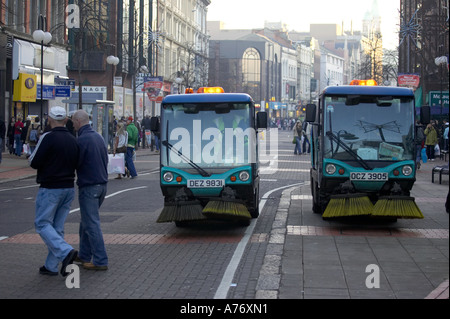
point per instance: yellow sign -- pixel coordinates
(25, 88)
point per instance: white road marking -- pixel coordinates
(227, 278)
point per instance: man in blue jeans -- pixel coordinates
(133, 135)
(92, 172)
(55, 158)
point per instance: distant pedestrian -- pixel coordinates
(298, 138)
(430, 141)
(55, 158)
(33, 134)
(18, 127)
(2, 136)
(120, 143)
(419, 142)
(132, 141)
(445, 136)
(92, 182)
(10, 133)
(146, 124)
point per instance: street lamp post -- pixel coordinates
(113, 61)
(42, 37)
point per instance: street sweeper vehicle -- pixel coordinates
(363, 151)
(209, 156)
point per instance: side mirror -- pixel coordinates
(154, 124)
(261, 120)
(310, 113)
(425, 115)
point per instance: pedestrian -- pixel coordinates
(18, 127)
(92, 173)
(146, 124)
(445, 137)
(157, 135)
(419, 142)
(132, 141)
(430, 141)
(10, 133)
(306, 130)
(33, 134)
(120, 144)
(55, 158)
(298, 138)
(2, 136)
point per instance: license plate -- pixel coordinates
(369, 177)
(205, 183)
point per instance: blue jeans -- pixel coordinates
(298, 147)
(52, 208)
(157, 142)
(19, 146)
(129, 161)
(92, 246)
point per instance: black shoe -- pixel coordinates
(67, 261)
(45, 271)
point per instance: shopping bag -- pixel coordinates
(423, 154)
(437, 150)
(116, 163)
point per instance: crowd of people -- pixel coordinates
(433, 138)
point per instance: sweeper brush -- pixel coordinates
(227, 207)
(397, 206)
(348, 205)
(181, 209)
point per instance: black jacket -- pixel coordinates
(55, 158)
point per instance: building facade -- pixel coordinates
(424, 36)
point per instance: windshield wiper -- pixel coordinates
(362, 162)
(188, 160)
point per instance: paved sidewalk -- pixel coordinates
(310, 258)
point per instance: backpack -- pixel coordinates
(34, 134)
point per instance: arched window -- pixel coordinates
(251, 71)
(251, 66)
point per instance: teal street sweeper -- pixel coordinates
(209, 156)
(363, 151)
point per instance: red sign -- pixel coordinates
(153, 89)
(409, 80)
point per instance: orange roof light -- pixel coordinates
(211, 90)
(189, 91)
(364, 82)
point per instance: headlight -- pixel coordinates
(330, 169)
(407, 170)
(168, 177)
(244, 176)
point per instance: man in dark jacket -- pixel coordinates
(2, 137)
(92, 182)
(55, 158)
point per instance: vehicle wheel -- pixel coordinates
(254, 210)
(317, 207)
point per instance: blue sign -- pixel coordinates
(48, 92)
(62, 91)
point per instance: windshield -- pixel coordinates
(207, 135)
(372, 128)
